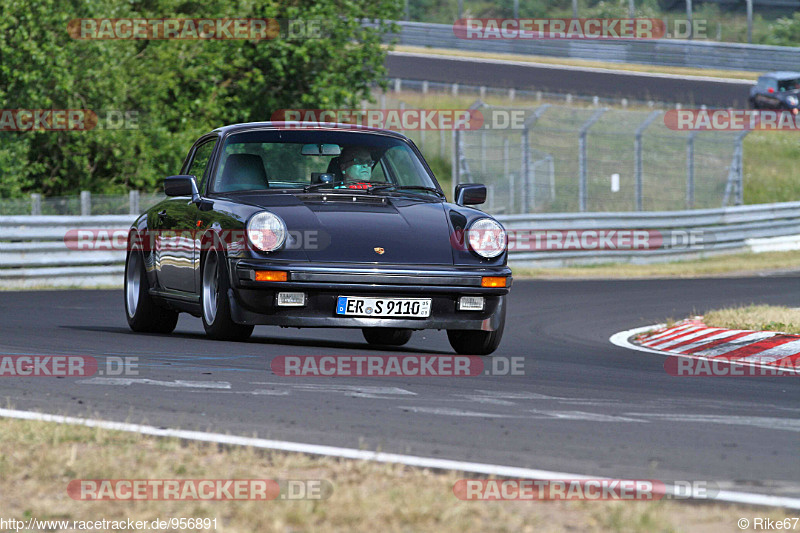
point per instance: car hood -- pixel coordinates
(363, 228)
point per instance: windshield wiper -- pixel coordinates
(392, 186)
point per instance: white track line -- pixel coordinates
(409, 460)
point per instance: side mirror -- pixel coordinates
(470, 194)
(182, 185)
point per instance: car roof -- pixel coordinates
(294, 126)
(782, 75)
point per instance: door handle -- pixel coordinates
(162, 214)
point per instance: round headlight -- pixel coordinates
(266, 232)
(487, 238)
(791, 100)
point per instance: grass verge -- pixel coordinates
(755, 317)
(38, 460)
(744, 264)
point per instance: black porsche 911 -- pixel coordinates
(327, 226)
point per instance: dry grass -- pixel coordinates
(744, 264)
(37, 461)
(679, 71)
(756, 317)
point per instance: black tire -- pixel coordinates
(387, 336)
(143, 314)
(215, 309)
(476, 342)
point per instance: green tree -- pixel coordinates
(179, 88)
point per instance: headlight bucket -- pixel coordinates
(266, 232)
(487, 238)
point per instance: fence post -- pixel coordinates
(690, 170)
(402, 107)
(740, 167)
(398, 85)
(506, 154)
(36, 204)
(86, 203)
(637, 148)
(454, 172)
(511, 189)
(133, 199)
(525, 154)
(425, 87)
(483, 151)
(689, 17)
(583, 186)
(749, 21)
(631, 9)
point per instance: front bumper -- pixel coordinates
(254, 302)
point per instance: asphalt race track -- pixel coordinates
(583, 406)
(579, 81)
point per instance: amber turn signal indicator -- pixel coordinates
(493, 281)
(270, 275)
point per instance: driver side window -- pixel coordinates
(199, 166)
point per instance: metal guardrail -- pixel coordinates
(33, 251)
(661, 52)
(724, 230)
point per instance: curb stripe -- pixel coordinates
(712, 332)
(775, 354)
(713, 344)
(757, 347)
(665, 340)
(669, 331)
(689, 338)
(728, 347)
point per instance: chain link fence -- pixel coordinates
(571, 159)
(578, 156)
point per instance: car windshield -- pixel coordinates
(275, 160)
(789, 85)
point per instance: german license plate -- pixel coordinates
(383, 307)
